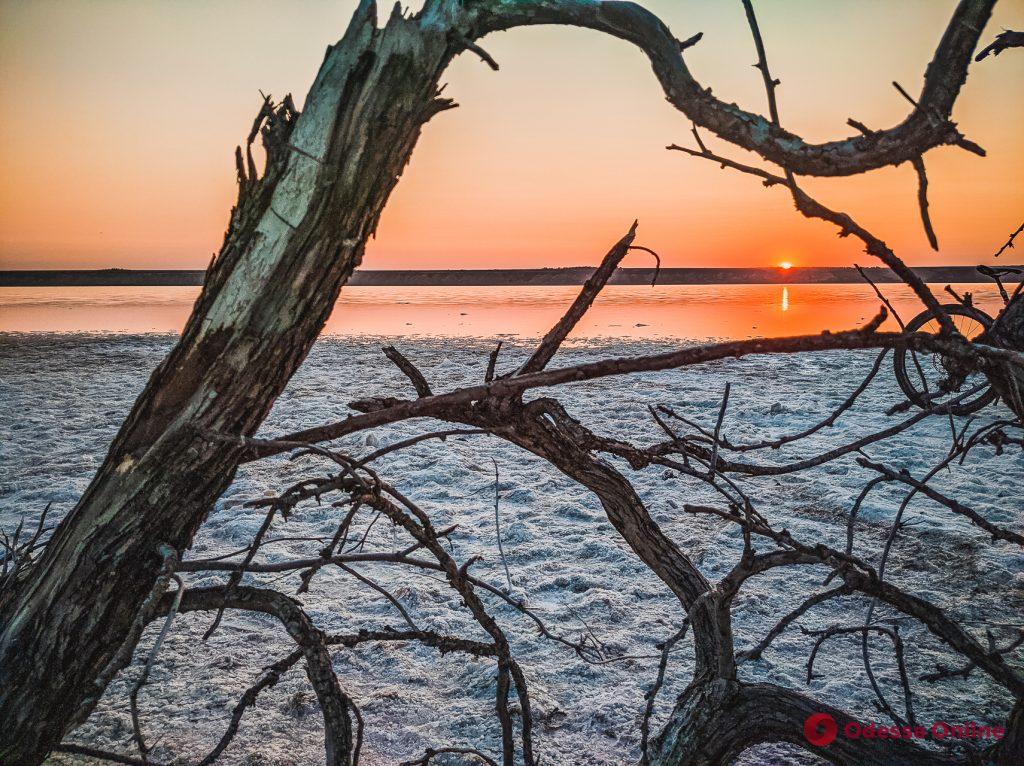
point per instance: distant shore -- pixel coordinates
(505, 277)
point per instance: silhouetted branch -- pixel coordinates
(557, 334)
(811, 208)
(1008, 245)
(1005, 39)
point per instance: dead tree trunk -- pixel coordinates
(295, 237)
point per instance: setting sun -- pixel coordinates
(785, 265)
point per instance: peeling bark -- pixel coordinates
(295, 237)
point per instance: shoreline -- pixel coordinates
(576, 275)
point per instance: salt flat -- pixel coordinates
(62, 398)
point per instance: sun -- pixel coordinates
(785, 265)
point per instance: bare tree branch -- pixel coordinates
(557, 334)
(1005, 39)
(927, 126)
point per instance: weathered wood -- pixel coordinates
(312, 645)
(713, 722)
(1009, 333)
(545, 429)
(928, 125)
(717, 717)
(295, 236)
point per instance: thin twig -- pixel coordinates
(497, 525)
(718, 429)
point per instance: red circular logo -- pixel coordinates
(820, 729)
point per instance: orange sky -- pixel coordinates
(121, 116)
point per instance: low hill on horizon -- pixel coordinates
(574, 275)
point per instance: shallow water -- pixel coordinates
(621, 312)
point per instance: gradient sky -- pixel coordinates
(121, 116)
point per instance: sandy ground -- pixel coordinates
(63, 396)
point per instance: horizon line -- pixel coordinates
(552, 276)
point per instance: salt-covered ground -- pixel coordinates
(62, 398)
